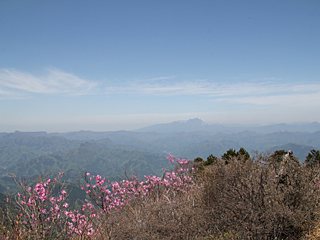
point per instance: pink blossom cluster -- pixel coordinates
(108, 196)
(47, 212)
(38, 203)
(44, 208)
(80, 223)
(181, 161)
(115, 195)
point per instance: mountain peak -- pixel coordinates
(193, 124)
(195, 121)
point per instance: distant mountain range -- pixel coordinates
(117, 154)
(190, 125)
(197, 124)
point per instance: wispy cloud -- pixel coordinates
(254, 93)
(277, 94)
(18, 84)
(159, 79)
(14, 83)
(293, 99)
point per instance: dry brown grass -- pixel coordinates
(174, 217)
(244, 199)
(315, 233)
(258, 200)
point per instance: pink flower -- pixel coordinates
(98, 178)
(171, 158)
(183, 161)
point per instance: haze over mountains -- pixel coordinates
(197, 124)
(117, 154)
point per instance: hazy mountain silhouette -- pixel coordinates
(114, 153)
(195, 124)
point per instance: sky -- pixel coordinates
(110, 65)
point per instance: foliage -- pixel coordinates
(270, 197)
(198, 160)
(42, 211)
(211, 160)
(232, 154)
(261, 199)
(313, 158)
(109, 196)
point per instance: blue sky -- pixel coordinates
(109, 65)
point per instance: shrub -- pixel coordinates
(42, 212)
(313, 158)
(259, 199)
(270, 197)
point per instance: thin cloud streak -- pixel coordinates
(307, 99)
(18, 84)
(255, 93)
(14, 83)
(160, 79)
(6, 94)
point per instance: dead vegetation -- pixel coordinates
(268, 197)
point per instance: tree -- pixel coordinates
(277, 156)
(211, 159)
(244, 154)
(198, 160)
(313, 158)
(229, 155)
(241, 155)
